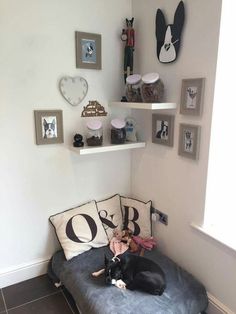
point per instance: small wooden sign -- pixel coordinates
(93, 109)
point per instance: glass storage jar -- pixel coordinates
(94, 135)
(133, 88)
(152, 89)
(118, 133)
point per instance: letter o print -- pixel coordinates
(71, 233)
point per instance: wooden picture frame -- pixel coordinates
(48, 127)
(88, 50)
(163, 129)
(192, 92)
(189, 138)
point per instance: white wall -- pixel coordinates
(37, 48)
(176, 184)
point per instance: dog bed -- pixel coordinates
(183, 294)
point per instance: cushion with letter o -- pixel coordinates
(137, 216)
(79, 229)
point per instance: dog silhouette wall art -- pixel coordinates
(169, 35)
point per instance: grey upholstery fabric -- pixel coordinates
(183, 295)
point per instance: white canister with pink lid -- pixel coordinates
(94, 134)
(133, 88)
(152, 89)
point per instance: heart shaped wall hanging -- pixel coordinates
(73, 89)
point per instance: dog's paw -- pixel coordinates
(120, 284)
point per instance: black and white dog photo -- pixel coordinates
(135, 273)
(49, 128)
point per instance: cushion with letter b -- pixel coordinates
(137, 216)
(79, 229)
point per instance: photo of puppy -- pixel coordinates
(135, 273)
(49, 127)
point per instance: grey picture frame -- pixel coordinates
(192, 93)
(88, 47)
(163, 129)
(189, 139)
(48, 127)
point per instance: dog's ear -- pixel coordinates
(53, 124)
(179, 18)
(160, 30)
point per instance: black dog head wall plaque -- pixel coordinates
(169, 35)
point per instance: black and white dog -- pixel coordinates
(49, 128)
(135, 273)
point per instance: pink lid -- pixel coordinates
(133, 79)
(118, 123)
(150, 78)
(94, 124)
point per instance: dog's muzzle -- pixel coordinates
(110, 276)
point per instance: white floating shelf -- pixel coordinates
(107, 148)
(143, 105)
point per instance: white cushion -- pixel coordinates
(79, 229)
(110, 214)
(137, 216)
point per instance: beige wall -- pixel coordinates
(37, 48)
(176, 184)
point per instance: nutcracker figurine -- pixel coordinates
(128, 36)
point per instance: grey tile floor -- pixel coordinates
(36, 296)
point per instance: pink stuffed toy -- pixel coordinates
(117, 246)
(146, 243)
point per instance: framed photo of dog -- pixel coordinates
(189, 137)
(48, 126)
(88, 50)
(192, 96)
(163, 129)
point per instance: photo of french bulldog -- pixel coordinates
(49, 127)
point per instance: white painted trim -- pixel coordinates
(12, 275)
(215, 306)
(213, 236)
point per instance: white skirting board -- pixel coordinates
(216, 307)
(22, 272)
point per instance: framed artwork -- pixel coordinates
(189, 137)
(163, 129)
(192, 96)
(88, 50)
(48, 126)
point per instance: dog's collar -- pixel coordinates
(115, 259)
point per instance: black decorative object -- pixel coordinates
(128, 36)
(78, 140)
(169, 36)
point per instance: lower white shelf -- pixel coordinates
(107, 148)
